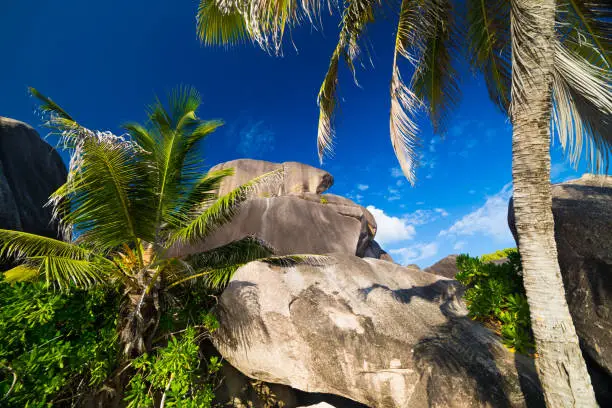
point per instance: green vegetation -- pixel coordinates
(324, 200)
(54, 346)
(497, 255)
(60, 348)
(128, 209)
(495, 295)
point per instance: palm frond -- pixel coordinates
(203, 192)
(106, 198)
(488, 35)
(585, 30)
(214, 278)
(582, 108)
(238, 252)
(222, 210)
(435, 80)
(18, 244)
(403, 129)
(64, 272)
(175, 164)
(355, 17)
(57, 119)
(218, 25)
(50, 106)
(297, 259)
(413, 25)
(326, 100)
(142, 136)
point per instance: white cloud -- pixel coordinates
(362, 187)
(255, 138)
(396, 172)
(415, 253)
(441, 211)
(420, 217)
(459, 245)
(393, 194)
(432, 143)
(399, 183)
(489, 220)
(390, 229)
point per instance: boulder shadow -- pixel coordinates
(461, 350)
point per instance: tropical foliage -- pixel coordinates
(54, 346)
(432, 35)
(130, 209)
(495, 295)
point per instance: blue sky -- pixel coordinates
(105, 61)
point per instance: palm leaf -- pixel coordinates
(326, 100)
(238, 252)
(355, 17)
(107, 198)
(20, 244)
(65, 272)
(220, 26)
(585, 30)
(411, 29)
(488, 35)
(203, 192)
(142, 136)
(50, 106)
(297, 259)
(435, 79)
(582, 108)
(222, 210)
(177, 132)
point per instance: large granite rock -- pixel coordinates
(30, 170)
(582, 210)
(294, 217)
(368, 330)
(298, 177)
(446, 267)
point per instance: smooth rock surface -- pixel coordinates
(368, 330)
(294, 220)
(30, 170)
(582, 210)
(446, 267)
(298, 177)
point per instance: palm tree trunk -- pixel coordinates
(561, 367)
(140, 318)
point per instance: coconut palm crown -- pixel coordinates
(433, 35)
(129, 205)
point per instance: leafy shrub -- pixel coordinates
(324, 200)
(495, 295)
(54, 346)
(175, 374)
(502, 253)
(57, 348)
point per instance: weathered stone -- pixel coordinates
(296, 221)
(368, 330)
(298, 177)
(30, 170)
(290, 225)
(582, 210)
(446, 267)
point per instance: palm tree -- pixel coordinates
(127, 208)
(541, 62)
